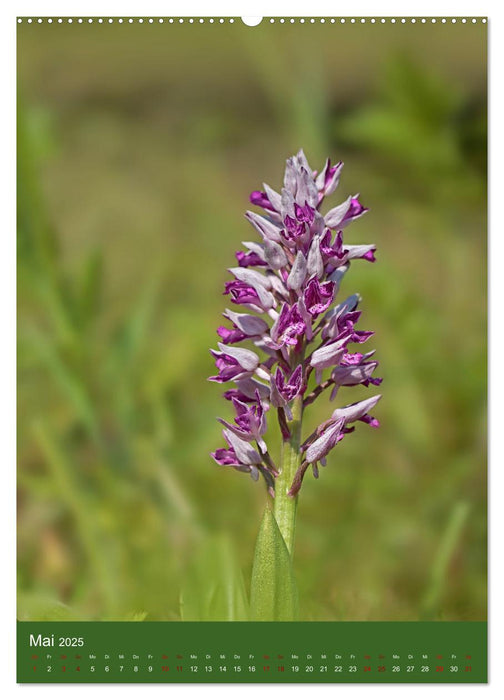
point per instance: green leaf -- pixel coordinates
(89, 289)
(69, 381)
(449, 542)
(135, 617)
(214, 589)
(41, 607)
(77, 500)
(132, 332)
(273, 595)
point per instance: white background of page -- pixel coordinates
(494, 11)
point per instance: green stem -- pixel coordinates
(285, 506)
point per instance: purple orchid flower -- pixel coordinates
(318, 297)
(328, 179)
(261, 199)
(286, 286)
(234, 363)
(288, 326)
(249, 259)
(238, 454)
(250, 421)
(355, 211)
(284, 390)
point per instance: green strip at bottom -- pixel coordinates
(252, 652)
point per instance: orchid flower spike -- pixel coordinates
(285, 287)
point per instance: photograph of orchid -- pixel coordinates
(306, 338)
(143, 494)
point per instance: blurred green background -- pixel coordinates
(138, 147)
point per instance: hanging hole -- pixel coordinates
(251, 21)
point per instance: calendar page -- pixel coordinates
(251, 265)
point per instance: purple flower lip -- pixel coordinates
(318, 297)
(294, 229)
(250, 422)
(230, 336)
(239, 455)
(286, 284)
(288, 326)
(241, 293)
(249, 259)
(256, 297)
(355, 211)
(284, 390)
(366, 252)
(305, 214)
(328, 179)
(260, 199)
(332, 250)
(345, 213)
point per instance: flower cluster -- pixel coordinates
(284, 288)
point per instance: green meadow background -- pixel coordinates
(138, 147)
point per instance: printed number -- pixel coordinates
(107, 669)
(410, 669)
(149, 669)
(425, 669)
(135, 669)
(338, 669)
(381, 669)
(71, 642)
(92, 669)
(352, 669)
(223, 669)
(49, 669)
(309, 669)
(194, 669)
(439, 668)
(252, 669)
(396, 669)
(295, 669)
(121, 668)
(323, 669)
(453, 669)
(208, 669)
(237, 669)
